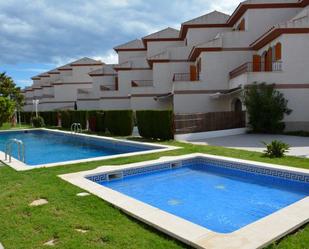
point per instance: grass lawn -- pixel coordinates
(7, 126)
(27, 227)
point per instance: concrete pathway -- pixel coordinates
(299, 146)
(1, 247)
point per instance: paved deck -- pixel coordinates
(299, 146)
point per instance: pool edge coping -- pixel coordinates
(255, 235)
(20, 166)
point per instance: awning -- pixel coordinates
(162, 97)
(226, 93)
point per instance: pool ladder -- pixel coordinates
(20, 146)
(76, 128)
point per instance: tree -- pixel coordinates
(6, 109)
(266, 108)
(9, 90)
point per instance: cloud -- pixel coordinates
(57, 31)
(109, 58)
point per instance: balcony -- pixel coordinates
(142, 83)
(275, 66)
(181, 77)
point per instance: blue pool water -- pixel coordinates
(43, 147)
(220, 199)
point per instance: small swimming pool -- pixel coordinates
(44, 147)
(219, 196)
(206, 201)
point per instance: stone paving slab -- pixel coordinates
(299, 146)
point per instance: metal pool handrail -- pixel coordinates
(76, 128)
(20, 146)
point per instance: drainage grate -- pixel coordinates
(175, 165)
(115, 176)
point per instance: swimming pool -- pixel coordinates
(45, 147)
(201, 196)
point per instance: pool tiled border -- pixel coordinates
(20, 166)
(255, 235)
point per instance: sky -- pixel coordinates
(39, 35)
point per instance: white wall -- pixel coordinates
(217, 65)
(193, 103)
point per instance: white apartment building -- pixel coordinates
(58, 88)
(200, 68)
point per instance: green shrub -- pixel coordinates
(276, 149)
(266, 108)
(155, 124)
(38, 121)
(119, 123)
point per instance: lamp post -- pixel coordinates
(35, 102)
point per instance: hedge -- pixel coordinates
(155, 124)
(120, 122)
(66, 119)
(26, 117)
(96, 121)
(50, 118)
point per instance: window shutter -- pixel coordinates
(256, 67)
(192, 73)
(278, 51)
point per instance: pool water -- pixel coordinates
(222, 200)
(43, 147)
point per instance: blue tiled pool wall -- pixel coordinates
(120, 146)
(242, 170)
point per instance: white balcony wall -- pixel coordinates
(124, 56)
(200, 35)
(80, 73)
(163, 74)
(156, 47)
(65, 73)
(217, 65)
(68, 92)
(98, 81)
(179, 53)
(258, 21)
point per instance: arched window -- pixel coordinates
(278, 49)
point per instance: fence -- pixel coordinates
(211, 121)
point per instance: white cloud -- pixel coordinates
(110, 57)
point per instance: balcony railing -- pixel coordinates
(184, 77)
(142, 83)
(107, 87)
(275, 66)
